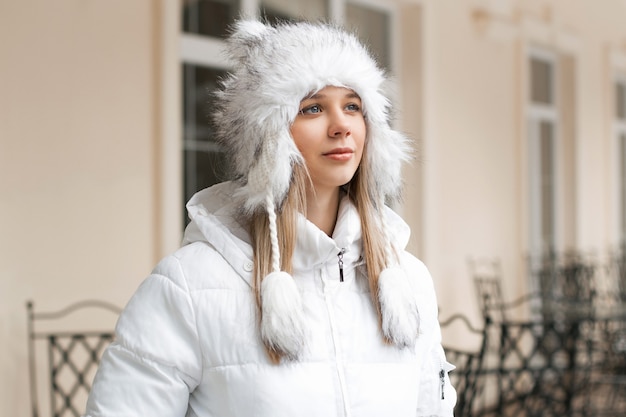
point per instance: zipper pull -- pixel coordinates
(442, 378)
(340, 256)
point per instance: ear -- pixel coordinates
(246, 36)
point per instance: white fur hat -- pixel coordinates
(274, 68)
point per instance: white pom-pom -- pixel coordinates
(398, 305)
(282, 322)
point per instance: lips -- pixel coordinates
(339, 154)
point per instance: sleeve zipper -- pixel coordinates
(442, 378)
(340, 260)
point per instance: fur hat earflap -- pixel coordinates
(398, 306)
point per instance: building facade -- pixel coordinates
(517, 109)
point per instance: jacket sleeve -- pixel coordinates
(155, 361)
(437, 397)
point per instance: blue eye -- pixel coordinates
(353, 107)
(311, 109)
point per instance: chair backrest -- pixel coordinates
(467, 378)
(618, 268)
(64, 353)
(487, 276)
(566, 281)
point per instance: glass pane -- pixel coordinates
(541, 81)
(203, 168)
(546, 143)
(622, 143)
(204, 162)
(209, 17)
(620, 105)
(275, 10)
(374, 29)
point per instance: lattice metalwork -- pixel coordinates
(543, 368)
(72, 360)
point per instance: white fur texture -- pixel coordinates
(274, 69)
(398, 304)
(282, 321)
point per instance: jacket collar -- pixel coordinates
(214, 219)
(314, 247)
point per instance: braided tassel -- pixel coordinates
(282, 316)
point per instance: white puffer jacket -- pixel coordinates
(188, 342)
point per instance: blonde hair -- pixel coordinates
(373, 236)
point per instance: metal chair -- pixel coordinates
(487, 276)
(71, 356)
(467, 378)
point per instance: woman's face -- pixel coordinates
(330, 133)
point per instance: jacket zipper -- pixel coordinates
(329, 290)
(340, 260)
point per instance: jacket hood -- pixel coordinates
(215, 220)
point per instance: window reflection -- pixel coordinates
(546, 138)
(276, 10)
(620, 95)
(209, 17)
(373, 28)
(622, 151)
(541, 81)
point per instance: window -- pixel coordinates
(204, 25)
(203, 158)
(543, 127)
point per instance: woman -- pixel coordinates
(292, 294)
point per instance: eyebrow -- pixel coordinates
(322, 95)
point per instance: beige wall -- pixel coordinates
(469, 193)
(77, 169)
(82, 164)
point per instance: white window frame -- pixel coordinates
(538, 113)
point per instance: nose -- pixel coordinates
(339, 125)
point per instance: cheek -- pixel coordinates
(297, 136)
(360, 139)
